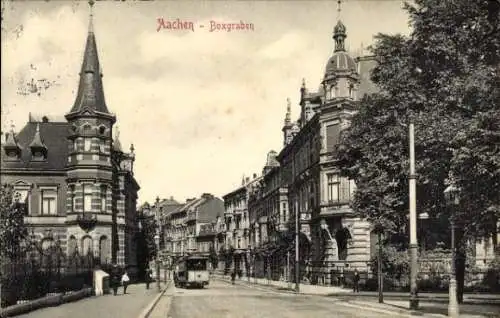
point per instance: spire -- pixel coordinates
(90, 89)
(288, 115)
(117, 146)
(91, 18)
(11, 140)
(339, 32)
(38, 148)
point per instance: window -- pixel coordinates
(332, 137)
(351, 90)
(73, 197)
(87, 198)
(87, 144)
(103, 198)
(22, 196)
(333, 187)
(86, 246)
(345, 192)
(49, 201)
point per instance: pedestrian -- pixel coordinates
(115, 279)
(148, 277)
(125, 282)
(356, 281)
(233, 277)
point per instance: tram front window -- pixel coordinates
(197, 265)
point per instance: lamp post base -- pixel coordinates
(413, 276)
(453, 304)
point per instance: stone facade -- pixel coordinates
(191, 227)
(76, 182)
(302, 181)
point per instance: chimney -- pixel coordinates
(255, 176)
(171, 198)
(207, 196)
(247, 180)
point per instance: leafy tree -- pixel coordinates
(147, 249)
(213, 259)
(445, 78)
(12, 228)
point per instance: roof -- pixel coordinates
(210, 209)
(90, 89)
(340, 61)
(54, 138)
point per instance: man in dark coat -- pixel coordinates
(148, 277)
(115, 278)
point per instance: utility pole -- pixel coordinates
(413, 222)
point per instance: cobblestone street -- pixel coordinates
(221, 299)
(107, 306)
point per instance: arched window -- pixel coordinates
(342, 236)
(104, 249)
(87, 245)
(72, 245)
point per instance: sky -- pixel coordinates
(202, 108)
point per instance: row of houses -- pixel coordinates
(300, 186)
(187, 228)
(300, 190)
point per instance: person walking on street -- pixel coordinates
(125, 282)
(356, 281)
(233, 277)
(115, 279)
(148, 277)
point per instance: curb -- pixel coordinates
(147, 311)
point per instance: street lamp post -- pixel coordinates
(413, 221)
(451, 195)
(157, 243)
(297, 264)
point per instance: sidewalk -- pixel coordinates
(490, 299)
(433, 309)
(162, 305)
(285, 286)
(107, 306)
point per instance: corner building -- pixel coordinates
(76, 182)
(316, 191)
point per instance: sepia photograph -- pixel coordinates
(250, 158)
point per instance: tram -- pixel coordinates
(192, 271)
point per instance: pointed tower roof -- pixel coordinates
(117, 146)
(288, 115)
(37, 139)
(340, 61)
(90, 88)
(11, 140)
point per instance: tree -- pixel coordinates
(444, 78)
(213, 257)
(146, 242)
(12, 228)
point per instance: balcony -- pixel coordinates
(87, 221)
